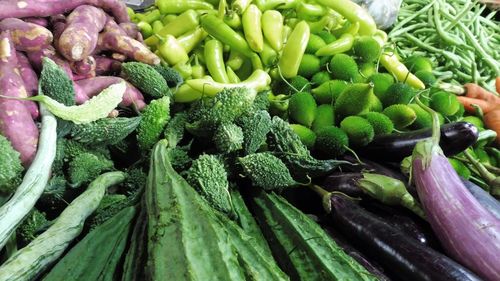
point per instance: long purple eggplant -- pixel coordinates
(455, 138)
(403, 257)
(346, 183)
(468, 232)
(483, 197)
(372, 166)
(354, 253)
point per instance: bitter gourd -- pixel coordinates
(106, 131)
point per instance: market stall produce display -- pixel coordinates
(249, 140)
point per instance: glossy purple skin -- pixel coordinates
(403, 257)
(46, 8)
(27, 36)
(30, 80)
(468, 232)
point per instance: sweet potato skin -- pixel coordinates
(39, 21)
(106, 66)
(93, 86)
(30, 80)
(28, 37)
(46, 8)
(115, 39)
(35, 59)
(84, 68)
(16, 123)
(79, 38)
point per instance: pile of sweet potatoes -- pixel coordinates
(89, 39)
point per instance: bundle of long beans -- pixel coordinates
(463, 43)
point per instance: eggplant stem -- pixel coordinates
(436, 128)
(319, 190)
(490, 168)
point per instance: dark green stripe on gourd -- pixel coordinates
(302, 247)
(247, 222)
(97, 256)
(135, 260)
(183, 242)
(105, 131)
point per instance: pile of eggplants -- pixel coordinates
(459, 239)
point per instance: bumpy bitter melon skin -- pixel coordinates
(303, 249)
(187, 240)
(106, 131)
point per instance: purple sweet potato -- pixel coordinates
(93, 86)
(131, 29)
(28, 37)
(39, 21)
(16, 123)
(47, 8)
(35, 59)
(115, 39)
(79, 38)
(84, 68)
(106, 66)
(30, 80)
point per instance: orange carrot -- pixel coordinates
(497, 83)
(477, 92)
(471, 103)
(492, 122)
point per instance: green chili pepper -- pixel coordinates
(259, 80)
(130, 12)
(145, 29)
(353, 29)
(139, 17)
(265, 5)
(198, 70)
(251, 21)
(200, 54)
(183, 23)
(157, 26)
(168, 19)
(352, 12)
(152, 16)
(233, 20)
(268, 55)
(184, 69)
(399, 70)
(235, 60)
(272, 27)
(294, 50)
(180, 6)
(214, 58)
(239, 6)
(341, 45)
(171, 51)
(309, 11)
(190, 40)
(286, 32)
(381, 37)
(320, 25)
(233, 78)
(222, 32)
(186, 94)
(245, 70)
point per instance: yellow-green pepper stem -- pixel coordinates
(183, 23)
(398, 69)
(272, 27)
(198, 70)
(341, 45)
(252, 27)
(259, 80)
(294, 50)
(214, 57)
(233, 20)
(354, 13)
